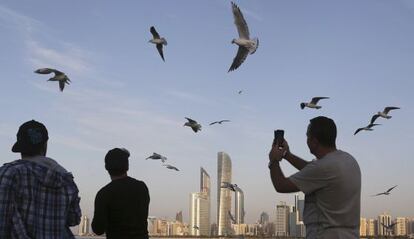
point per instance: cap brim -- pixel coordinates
(16, 148)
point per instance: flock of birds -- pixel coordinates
(246, 46)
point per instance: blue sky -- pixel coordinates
(359, 53)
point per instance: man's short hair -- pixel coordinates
(324, 130)
(116, 161)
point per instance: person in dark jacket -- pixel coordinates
(121, 207)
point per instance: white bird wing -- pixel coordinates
(240, 23)
(240, 58)
(316, 99)
(387, 109)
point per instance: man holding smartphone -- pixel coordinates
(331, 183)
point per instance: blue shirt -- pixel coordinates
(37, 201)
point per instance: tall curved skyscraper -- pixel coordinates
(239, 206)
(223, 194)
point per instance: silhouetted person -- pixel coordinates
(331, 183)
(121, 207)
(38, 197)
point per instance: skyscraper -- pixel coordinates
(84, 226)
(371, 225)
(179, 216)
(282, 219)
(200, 207)
(264, 218)
(363, 226)
(400, 228)
(223, 194)
(384, 220)
(199, 224)
(239, 206)
(299, 206)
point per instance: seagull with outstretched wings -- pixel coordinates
(386, 192)
(158, 41)
(313, 104)
(384, 113)
(59, 76)
(246, 45)
(367, 128)
(219, 122)
(156, 156)
(194, 125)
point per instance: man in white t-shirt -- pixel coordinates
(331, 183)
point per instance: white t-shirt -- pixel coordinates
(332, 187)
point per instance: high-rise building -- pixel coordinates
(282, 219)
(293, 222)
(363, 227)
(223, 194)
(384, 220)
(299, 206)
(200, 207)
(179, 216)
(264, 218)
(400, 228)
(239, 206)
(84, 226)
(371, 227)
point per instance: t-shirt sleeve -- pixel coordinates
(311, 178)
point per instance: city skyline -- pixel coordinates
(359, 53)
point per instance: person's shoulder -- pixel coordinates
(137, 182)
(14, 166)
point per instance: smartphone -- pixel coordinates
(278, 140)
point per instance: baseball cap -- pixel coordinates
(117, 160)
(31, 136)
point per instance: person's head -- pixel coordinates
(116, 162)
(32, 139)
(321, 134)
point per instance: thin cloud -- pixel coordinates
(18, 21)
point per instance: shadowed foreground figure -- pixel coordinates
(38, 197)
(331, 183)
(121, 207)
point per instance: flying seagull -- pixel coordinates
(368, 128)
(240, 91)
(231, 217)
(193, 125)
(384, 114)
(313, 103)
(59, 76)
(389, 227)
(219, 122)
(386, 192)
(246, 45)
(158, 41)
(232, 187)
(156, 156)
(171, 167)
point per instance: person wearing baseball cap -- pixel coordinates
(35, 189)
(121, 207)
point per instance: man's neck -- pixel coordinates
(324, 151)
(119, 177)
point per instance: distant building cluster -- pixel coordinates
(288, 219)
(385, 225)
